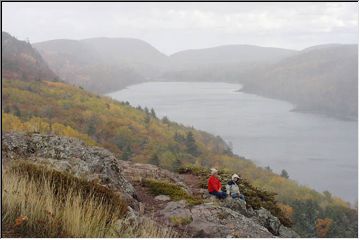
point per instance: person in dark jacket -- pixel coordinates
(214, 185)
(232, 188)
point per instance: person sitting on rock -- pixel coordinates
(232, 189)
(214, 185)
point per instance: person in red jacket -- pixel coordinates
(214, 185)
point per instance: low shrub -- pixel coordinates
(180, 220)
(174, 191)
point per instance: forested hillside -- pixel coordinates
(21, 61)
(137, 135)
(320, 79)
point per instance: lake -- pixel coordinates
(317, 151)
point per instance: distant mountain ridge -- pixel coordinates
(228, 54)
(320, 78)
(77, 61)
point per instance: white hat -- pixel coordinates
(235, 176)
(213, 171)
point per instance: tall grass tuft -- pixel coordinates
(40, 202)
(49, 215)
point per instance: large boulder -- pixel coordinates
(285, 232)
(266, 219)
(69, 155)
(212, 220)
(238, 206)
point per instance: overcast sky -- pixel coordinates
(171, 27)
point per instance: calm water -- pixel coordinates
(317, 151)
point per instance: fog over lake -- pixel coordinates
(316, 150)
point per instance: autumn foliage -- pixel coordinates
(323, 226)
(138, 135)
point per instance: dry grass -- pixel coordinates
(35, 205)
(50, 216)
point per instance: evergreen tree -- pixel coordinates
(177, 164)
(154, 160)
(165, 120)
(179, 138)
(191, 144)
(146, 111)
(16, 111)
(91, 128)
(327, 194)
(152, 112)
(126, 155)
(268, 168)
(284, 173)
(147, 120)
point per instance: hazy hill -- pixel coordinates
(21, 61)
(134, 53)
(227, 55)
(321, 79)
(219, 63)
(108, 64)
(87, 64)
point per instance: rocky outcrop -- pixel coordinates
(213, 218)
(69, 155)
(285, 232)
(273, 224)
(266, 219)
(139, 171)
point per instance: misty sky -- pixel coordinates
(171, 27)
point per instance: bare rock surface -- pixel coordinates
(212, 220)
(138, 171)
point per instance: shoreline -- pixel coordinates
(306, 110)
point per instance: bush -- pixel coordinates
(174, 191)
(180, 221)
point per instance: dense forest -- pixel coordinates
(135, 134)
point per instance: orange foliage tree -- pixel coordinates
(323, 226)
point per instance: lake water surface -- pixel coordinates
(317, 151)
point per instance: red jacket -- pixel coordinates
(214, 184)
